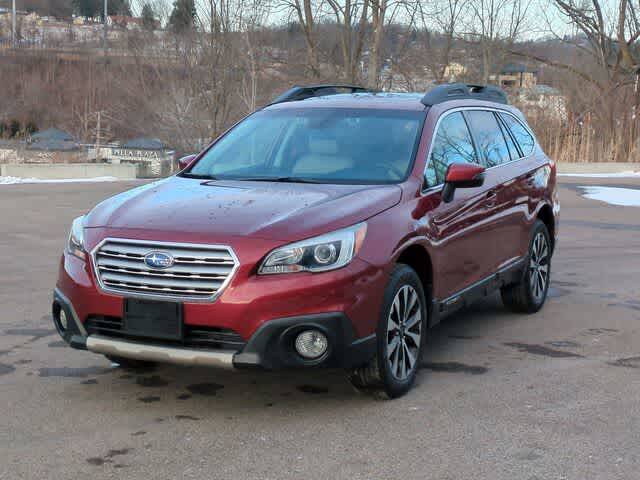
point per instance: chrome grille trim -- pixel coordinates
(200, 272)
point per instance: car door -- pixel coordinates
(503, 201)
(456, 229)
(531, 173)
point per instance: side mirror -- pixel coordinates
(184, 162)
(461, 175)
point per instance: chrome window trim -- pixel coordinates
(154, 296)
(425, 191)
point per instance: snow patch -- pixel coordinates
(627, 197)
(20, 180)
(629, 174)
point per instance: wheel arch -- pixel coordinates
(545, 215)
(418, 258)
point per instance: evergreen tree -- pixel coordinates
(182, 16)
(148, 17)
(87, 8)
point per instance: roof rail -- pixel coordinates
(461, 91)
(301, 92)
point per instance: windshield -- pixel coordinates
(324, 145)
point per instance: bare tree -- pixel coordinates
(495, 25)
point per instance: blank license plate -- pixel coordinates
(147, 318)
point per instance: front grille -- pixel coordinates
(205, 338)
(199, 272)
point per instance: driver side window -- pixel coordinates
(452, 144)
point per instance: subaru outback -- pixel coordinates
(331, 228)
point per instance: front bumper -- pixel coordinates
(270, 347)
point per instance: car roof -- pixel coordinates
(378, 100)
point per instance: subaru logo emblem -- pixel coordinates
(158, 260)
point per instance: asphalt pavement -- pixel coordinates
(554, 395)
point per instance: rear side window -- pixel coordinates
(452, 144)
(521, 135)
(489, 138)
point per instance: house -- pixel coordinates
(543, 99)
(150, 155)
(52, 139)
(516, 75)
(454, 71)
(125, 21)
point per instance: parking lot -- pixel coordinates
(553, 395)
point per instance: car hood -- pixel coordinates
(270, 210)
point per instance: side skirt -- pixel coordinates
(505, 276)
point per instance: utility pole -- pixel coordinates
(13, 24)
(98, 153)
(104, 32)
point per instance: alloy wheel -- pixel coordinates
(404, 332)
(539, 266)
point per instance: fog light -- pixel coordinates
(311, 344)
(62, 319)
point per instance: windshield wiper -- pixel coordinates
(279, 179)
(199, 176)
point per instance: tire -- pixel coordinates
(530, 292)
(130, 363)
(400, 337)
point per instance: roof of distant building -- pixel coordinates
(144, 143)
(58, 145)
(52, 134)
(511, 68)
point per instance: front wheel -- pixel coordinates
(400, 337)
(530, 293)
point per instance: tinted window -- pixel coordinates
(452, 145)
(328, 145)
(489, 138)
(522, 136)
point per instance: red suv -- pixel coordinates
(327, 229)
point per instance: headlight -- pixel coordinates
(319, 254)
(75, 244)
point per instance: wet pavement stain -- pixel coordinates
(34, 333)
(631, 362)
(313, 389)
(455, 367)
(69, 372)
(57, 344)
(153, 381)
(563, 344)
(541, 350)
(149, 399)
(631, 304)
(567, 284)
(90, 381)
(206, 389)
(5, 369)
(601, 331)
(99, 461)
(186, 417)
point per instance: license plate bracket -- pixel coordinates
(153, 319)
